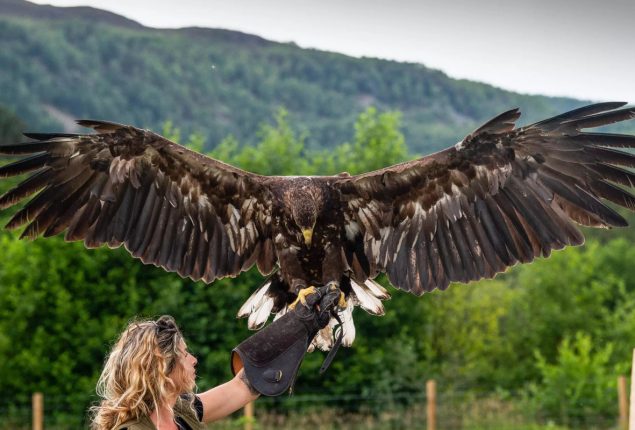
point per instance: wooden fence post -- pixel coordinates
(622, 397)
(631, 415)
(249, 416)
(431, 397)
(37, 403)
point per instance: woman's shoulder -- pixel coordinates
(137, 425)
(141, 423)
(190, 408)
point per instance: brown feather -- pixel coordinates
(25, 165)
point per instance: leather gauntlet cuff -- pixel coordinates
(271, 358)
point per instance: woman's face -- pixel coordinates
(186, 371)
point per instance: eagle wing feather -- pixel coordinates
(167, 205)
(501, 196)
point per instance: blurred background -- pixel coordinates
(539, 347)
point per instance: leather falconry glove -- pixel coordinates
(271, 358)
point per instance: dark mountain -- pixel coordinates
(64, 63)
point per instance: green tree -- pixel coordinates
(11, 127)
(463, 337)
(280, 151)
(378, 143)
(578, 289)
(579, 385)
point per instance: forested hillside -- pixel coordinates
(64, 63)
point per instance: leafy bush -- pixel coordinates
(579, 384)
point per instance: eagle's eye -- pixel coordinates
(305, 220)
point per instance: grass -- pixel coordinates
(474, 413)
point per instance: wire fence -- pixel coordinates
(453, 410)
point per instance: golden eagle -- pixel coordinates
(502, 195)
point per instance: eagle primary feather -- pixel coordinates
(502, 195)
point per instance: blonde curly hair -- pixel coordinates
(141, 373)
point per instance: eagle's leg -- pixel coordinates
(302, 296)
(332, 268)
(342, 301)
(333, 285)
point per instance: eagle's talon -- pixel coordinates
(342, 301)
(302, 295)
(333, 285)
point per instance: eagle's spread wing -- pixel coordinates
(501, 196)
(168, 205)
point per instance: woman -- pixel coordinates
(148, 382)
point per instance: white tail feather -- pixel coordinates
(348, 325)
(253, 301)
(378, 291)
(367, 299)
(260, 315)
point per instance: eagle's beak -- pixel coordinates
(308, 234)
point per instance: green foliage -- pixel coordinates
(580, 382)
(61, 306)
(195, 142)
(465, 344)
(280, 151)
(11, 126)
(53, 330)
(378, 143)
(375, 134)
(579, 289)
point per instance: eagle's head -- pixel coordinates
(306, 201)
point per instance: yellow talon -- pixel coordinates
(302, 294)
(342, 302)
